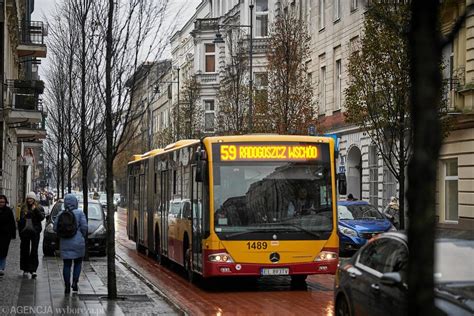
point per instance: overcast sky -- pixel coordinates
(44, 8)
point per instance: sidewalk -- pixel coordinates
(45, 295)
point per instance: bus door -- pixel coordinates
(151, 188)
(141, 209)
(165, 204)
(197, 225)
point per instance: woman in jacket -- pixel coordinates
(72, 249)
(29, 229)
(7, 230)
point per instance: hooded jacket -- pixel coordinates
(73, 248)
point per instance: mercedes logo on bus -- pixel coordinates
(274, 257)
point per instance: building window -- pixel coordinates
(155, 121)
(373, 176)
(210, 55)
(337, 84)
(451, 189)
(322, 90)
(209, 115)
(337, 10)
(261, 18)
(389, 185)
(354, 4)
(322, 6)
(354, 45)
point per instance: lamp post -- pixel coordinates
(219, 40)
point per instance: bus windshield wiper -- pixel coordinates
(314, 234)
(252, 231)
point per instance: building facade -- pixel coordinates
(22, 122)
(455, 188)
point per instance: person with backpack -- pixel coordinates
(29, 229)
(7, 231)
(71, 227)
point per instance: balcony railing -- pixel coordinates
(206, 24)
(32, 32)
(24, 94)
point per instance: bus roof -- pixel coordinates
(231, 139)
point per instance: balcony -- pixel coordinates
(206, 24)
(32, 131)
(31, 39)
(23, 103)
(207, 78)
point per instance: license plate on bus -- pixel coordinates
(275, 271)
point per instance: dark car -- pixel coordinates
(96, 241)
(374, 280)
(358, 221)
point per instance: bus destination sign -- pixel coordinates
(252, 152)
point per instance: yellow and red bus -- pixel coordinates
(248, 205)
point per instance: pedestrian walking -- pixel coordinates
(392, 212)
(72, 248)
(29, 229)
(7, 231)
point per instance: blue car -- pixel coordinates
(359, 221)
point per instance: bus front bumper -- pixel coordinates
(214, 269)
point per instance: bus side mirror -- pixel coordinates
(201, 165)
(201, 171)
(342, 183)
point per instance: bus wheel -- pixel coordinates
(188, 266)
(157, 248)
(298, 280)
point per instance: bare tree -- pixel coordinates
(128, 26)
(377, 98)
(191, 119)
(233, 90)
(290, 99)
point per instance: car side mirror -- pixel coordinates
(391, 278)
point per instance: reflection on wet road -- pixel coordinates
(266, 296)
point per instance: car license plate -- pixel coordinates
(275, 271)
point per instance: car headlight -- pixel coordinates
(348, 231)
(50, 229)
(220, 257)
(326, 256)
(392, 229)
(99, 231)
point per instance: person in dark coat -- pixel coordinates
(7, 230)
(72, 249)
(30, 236)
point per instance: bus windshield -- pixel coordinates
(279, 196)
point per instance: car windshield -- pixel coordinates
(358, 211)
(454, 261)
(272, 196)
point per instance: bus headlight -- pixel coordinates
(326, 256)
(347, 231)
(220, 257)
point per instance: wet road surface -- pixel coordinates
(266, 296)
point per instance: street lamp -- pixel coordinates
(157, 90)
(219, 40)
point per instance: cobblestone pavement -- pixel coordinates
(45, 295)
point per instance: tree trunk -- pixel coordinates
(109, 159)
(425, 58)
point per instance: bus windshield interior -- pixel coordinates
(272, 197)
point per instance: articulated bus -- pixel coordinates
(251, 205)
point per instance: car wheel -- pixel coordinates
(342, 306)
